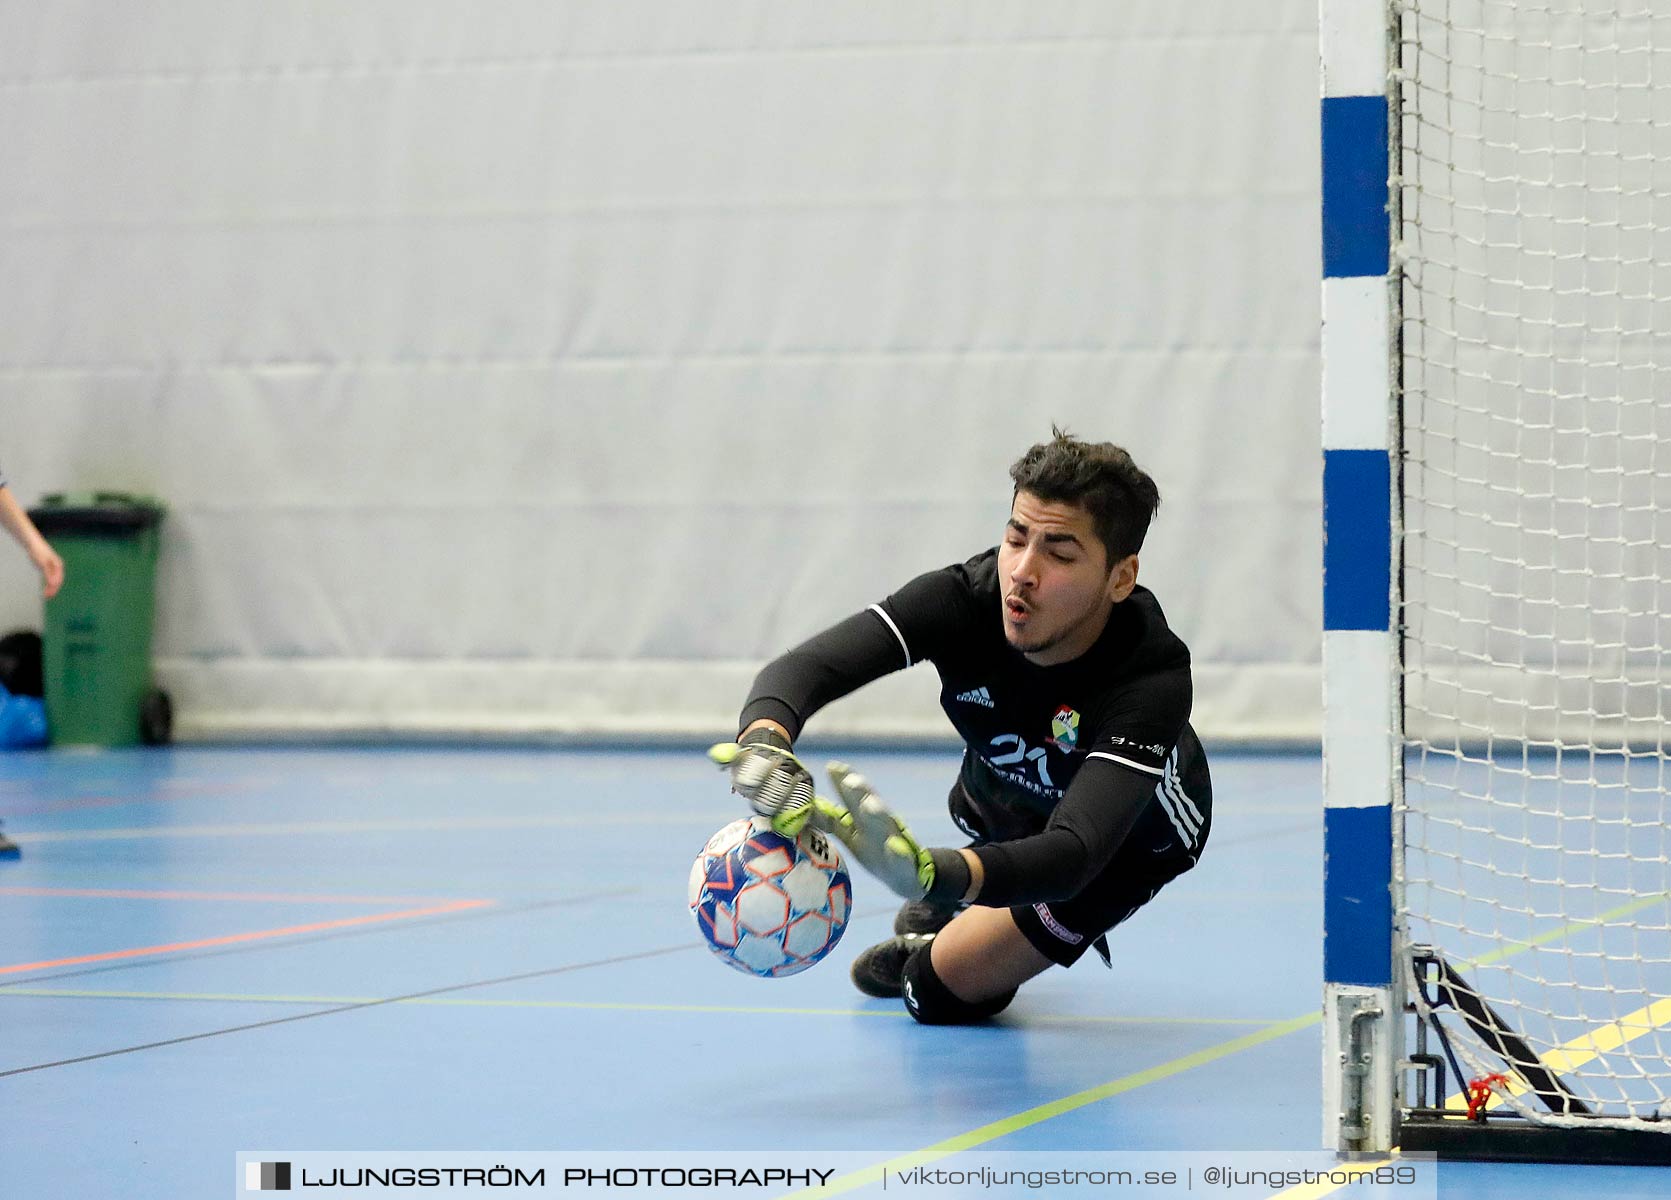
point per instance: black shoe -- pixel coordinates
(8, 848)
(879, 971)
(919, 916)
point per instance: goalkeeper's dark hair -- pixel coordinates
(1099, 477)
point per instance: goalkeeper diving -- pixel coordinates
(1083, 791)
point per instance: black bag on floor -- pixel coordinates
(20, 663)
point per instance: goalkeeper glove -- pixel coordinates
(883, 845)
(769, 777)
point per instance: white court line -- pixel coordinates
(592, 1006)
(294, 828)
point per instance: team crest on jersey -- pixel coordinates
(1064, 728)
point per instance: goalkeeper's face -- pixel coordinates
(1056, 585)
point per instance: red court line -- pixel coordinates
(228, 939)
(261, 897)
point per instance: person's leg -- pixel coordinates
(981, 954)
(978, 961)
(970, 971)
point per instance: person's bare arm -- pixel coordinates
(40, 552)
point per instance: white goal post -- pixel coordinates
(1497, 575)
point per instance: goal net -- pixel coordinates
(1532, 233)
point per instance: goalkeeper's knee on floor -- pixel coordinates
(931, 1002)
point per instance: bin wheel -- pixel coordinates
(156, 718)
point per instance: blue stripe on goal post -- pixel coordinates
(1355, 230)
(1357, 905)
(1357, 539)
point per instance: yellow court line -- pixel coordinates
(866, 1176)
(1650, 1018)
(1573, 1054)
(600, 1006)
(1316, 1191)
(1561, 932)
(1589, 1046)
(1647, 1019)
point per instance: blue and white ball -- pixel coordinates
(769, 905)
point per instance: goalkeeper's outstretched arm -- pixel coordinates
(826, 667)
(762, 763)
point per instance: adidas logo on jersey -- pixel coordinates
(977, 696)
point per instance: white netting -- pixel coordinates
(1535, 245)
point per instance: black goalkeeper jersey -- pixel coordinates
(1116, 719)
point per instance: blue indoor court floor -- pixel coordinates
(205, 951)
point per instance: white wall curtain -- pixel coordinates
(546, 367)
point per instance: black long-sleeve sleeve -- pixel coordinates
(1085, 830)
(931, 612)
(825, 667)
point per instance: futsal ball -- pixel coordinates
(769, 905)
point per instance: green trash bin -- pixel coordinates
(97, 641)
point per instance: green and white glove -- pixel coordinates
(766, 774)
(874, 835)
